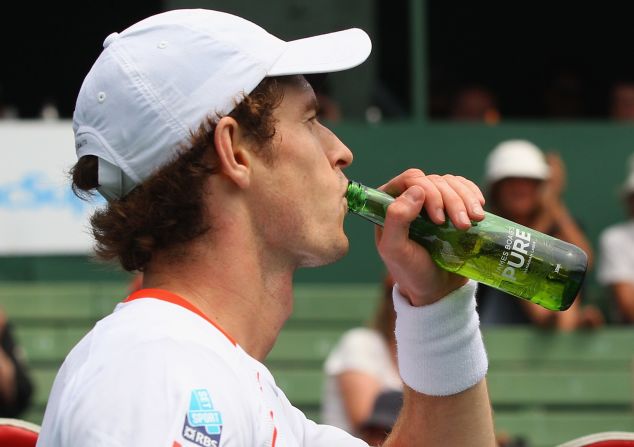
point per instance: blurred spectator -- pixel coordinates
(564, 95)
(476, 104)
(15, 385)
(526, 187)
(384, 104)
(49, 111)
(622, 101)
(360, 367)
(378, 425)
(7, 111)
(616, 260)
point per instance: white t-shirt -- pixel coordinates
(156, 373)
(616, 255)
(362, 350)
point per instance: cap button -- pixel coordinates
(111, 38)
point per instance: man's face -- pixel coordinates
(299, 197)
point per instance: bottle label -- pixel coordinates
(518, 253)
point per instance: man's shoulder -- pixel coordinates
(151, 320)
(148, 336)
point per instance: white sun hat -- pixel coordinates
(516, 158)
(159, 79)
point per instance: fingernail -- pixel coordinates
(440, 214)
(463, 218)
(477, 209)
(413, 194)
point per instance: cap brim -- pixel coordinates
(325, 53)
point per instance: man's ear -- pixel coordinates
(232, 149)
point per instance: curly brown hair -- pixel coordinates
(168, 209)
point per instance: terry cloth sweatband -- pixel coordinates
(440, 347)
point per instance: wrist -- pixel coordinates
(447, 284)
(439, 346)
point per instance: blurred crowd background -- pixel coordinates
(489, 60)
(451, 86)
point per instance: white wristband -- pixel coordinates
(440, 348)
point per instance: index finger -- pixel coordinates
(403, 181)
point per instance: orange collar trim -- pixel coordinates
(170, 297)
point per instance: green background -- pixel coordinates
(595, 155)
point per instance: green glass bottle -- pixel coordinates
(495, 251)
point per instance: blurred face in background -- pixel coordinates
(622, 107)
(475, 104)
(517, 198)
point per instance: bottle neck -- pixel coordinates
(356, 196)
(368, 202)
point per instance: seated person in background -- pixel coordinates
(379, 424)
(616, 256)
(622, 101)
(360, 367)
(526, 187)
(15, 386)
(475, 104)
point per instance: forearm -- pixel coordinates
(459, 420)
(440, 351)
(443, 363)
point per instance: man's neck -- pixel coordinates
(241, 292)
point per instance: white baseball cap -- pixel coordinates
(158, 80)
(516, 158)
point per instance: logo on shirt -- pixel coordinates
(203, 424)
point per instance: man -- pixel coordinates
(616, 261)
(200, 130)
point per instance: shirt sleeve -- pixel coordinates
(616, 262)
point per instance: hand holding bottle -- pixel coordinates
(418, 277)
(493, 250)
